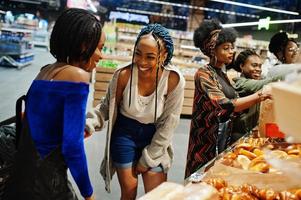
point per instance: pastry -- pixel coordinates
(218, 183)
(245, 146)
(268, 194)
(244, 161)
(293, 152)
(279, 154)
(260, 167)
(285, 195)
(230, 155)
(298, 193)
(257, 160)
(249, 154)
(257, 152)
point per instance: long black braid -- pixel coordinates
(157, 71)
(159, 33)
(75, 36)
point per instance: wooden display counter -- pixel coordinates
(104, 75)
(102, 79)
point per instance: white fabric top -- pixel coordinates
(142, 108)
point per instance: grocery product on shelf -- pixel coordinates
(16, 47)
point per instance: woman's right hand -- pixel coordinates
(266, 93)
(90, 198)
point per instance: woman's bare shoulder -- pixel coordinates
(173, 80)
(124, 75)
(74, 74)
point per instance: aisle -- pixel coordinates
(14, 83)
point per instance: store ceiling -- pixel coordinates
(215, 10)
(290, 5)
(154, 6)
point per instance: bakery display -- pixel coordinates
(249, 154)
(249, 192)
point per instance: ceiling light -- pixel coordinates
(151, 13)
(257, 7)
(200, 8)
(256, 23)
(92, 7)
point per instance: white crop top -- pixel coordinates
(142, 108)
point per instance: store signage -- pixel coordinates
(129, 16)
(264, 23)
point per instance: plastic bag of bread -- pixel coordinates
(238, 177)
(174, 191)
(165, 191)
(199, 191)
(266, 115)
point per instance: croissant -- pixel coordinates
(268, 194)
(285, 195)
(250, 189)
(298, 193)
(218, 183)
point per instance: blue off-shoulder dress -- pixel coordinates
(55, 112)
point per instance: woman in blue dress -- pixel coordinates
(52, 136)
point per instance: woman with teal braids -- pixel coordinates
(143, 106)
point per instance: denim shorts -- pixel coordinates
(129, 138)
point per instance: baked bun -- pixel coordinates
(249, 154)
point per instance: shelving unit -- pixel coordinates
(16, 49)
(41, 38)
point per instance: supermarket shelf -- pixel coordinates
(16, 47)
(17, 30)
(19, 62)
(174, 60)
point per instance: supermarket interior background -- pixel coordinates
(26, 25)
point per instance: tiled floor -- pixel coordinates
(14, 83)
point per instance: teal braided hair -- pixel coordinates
(159, 32)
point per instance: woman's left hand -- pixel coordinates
(86, 134)
(140, 169)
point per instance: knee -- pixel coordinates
(129, 194)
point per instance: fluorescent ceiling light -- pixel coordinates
(202, 8)
(151, 13)
(256, 23)
(27, 1)
(92, 7)
(257, 7)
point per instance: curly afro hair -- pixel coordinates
(278, 42)
(202, 33)
(226, 35)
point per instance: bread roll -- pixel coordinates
(258, 152)
(260, 167)
(244, 161)
(279, 154)
(249, 154)
(245, 146)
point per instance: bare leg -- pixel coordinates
(128, 182)
(153, 179)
